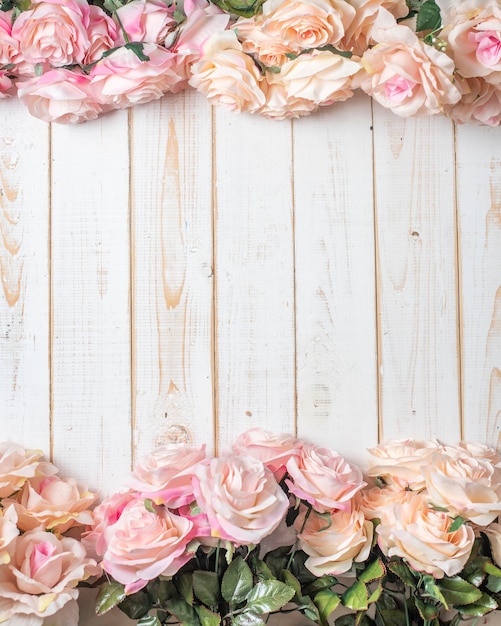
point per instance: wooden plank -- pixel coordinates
(173, 276)
(255, 352)
(417, 277)
(90, 296)
(335, 286)
(24, 273)
(479, 206)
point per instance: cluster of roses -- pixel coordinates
(41, 563)
(71, 61)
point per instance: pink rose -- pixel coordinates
(60, 95)
(18, 465)
(399, 461)
(240, 497)
(9, 46)
(144, 20)
(323, 478)
(227, 76)
(166, 475)
(102, 33)
(53, 503)
(333, 542)
(421, 536)
(307, 24)
(8, 533)
(53, 32)
(143, 545)
(404, 74)
(466, 486)
(122, 80)
(6, 85)
(40, 580)
(273, 450)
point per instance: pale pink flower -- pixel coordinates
(333, 542)
(421, 536)
(142, 545)
(102, 33)
(9, 45)
(404, 74)
(466, 486)
(122, 80)
(272, 449)
(399, 461)
(8, 533)
(60, 95)
(40, 579)
(280, 106)
(378, 503)
(18, 465)
(227, 76)
(493, 532)
(7, 85)
(144, 20)
(166, 474)
(307, 24)
(53, 32)
(323, 478)
(53, 503)
(240, 497)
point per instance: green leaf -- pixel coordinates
(182, 611)
(149, 620)
(356, 597)
(376, 594)
(392, 617)
(149, 505)
(474, 571)
(455, 591)
(206, 617)
(404, 572)
(137, 49)
(289, 579)
(136, 605)
(309, 610)
(428, 17)
(184, 584)
(206, 587)
(479, 608)
(248, 618)
(324, 582)
(268, 596)
(426, 610)
(373, 571)
(277, 560)
(326, 602)
(493, 584)
(260, 569)
(110, 594)
(491, 569)
(237, 581)
(244, 8)
(457, 523)
(433, 590)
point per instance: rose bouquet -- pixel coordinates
(41, 559)
(69, 61)
(277, 525)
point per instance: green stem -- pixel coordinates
(294, 549)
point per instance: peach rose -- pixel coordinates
(102, 33)
(53, 32)
(144, 20)
(474, 448)
(399, 461)
(272, 449)
(60, 95)
(280, 106)
(320, 76)
(227, 76)
(358, 35)
(166, 475)
(122, 80)
(143, 545)
(271, 52)
(421, 536)
(240, 497)
(493, 532)
(334, 542)
(406, 75)
(466, 486)
(473, 37)
(40, 580)
(378, 503)
(53, 503)
(18, 465)
(8, 533)
(323, 478)
(307, 24)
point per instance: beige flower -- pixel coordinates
(493, 532)
(280, 106)
(18, 465)
(378, 503)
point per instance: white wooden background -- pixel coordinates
(176, 272)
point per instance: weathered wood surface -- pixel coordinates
(181, 273)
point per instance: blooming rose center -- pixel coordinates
(488, 48)
(41, 553)
(398, 88)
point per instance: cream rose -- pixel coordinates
(280, 106)
(227, 76)
(323, 478)
(333, 543)
(466, 486)
(421, 536)
(269, 50)
(493, 532)
(142, 545)
(241, 498)
(378, 503)
(18, 465)
(404, 74)
(399, 461)
(8, 533)
(166, 475)
(304, 24)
